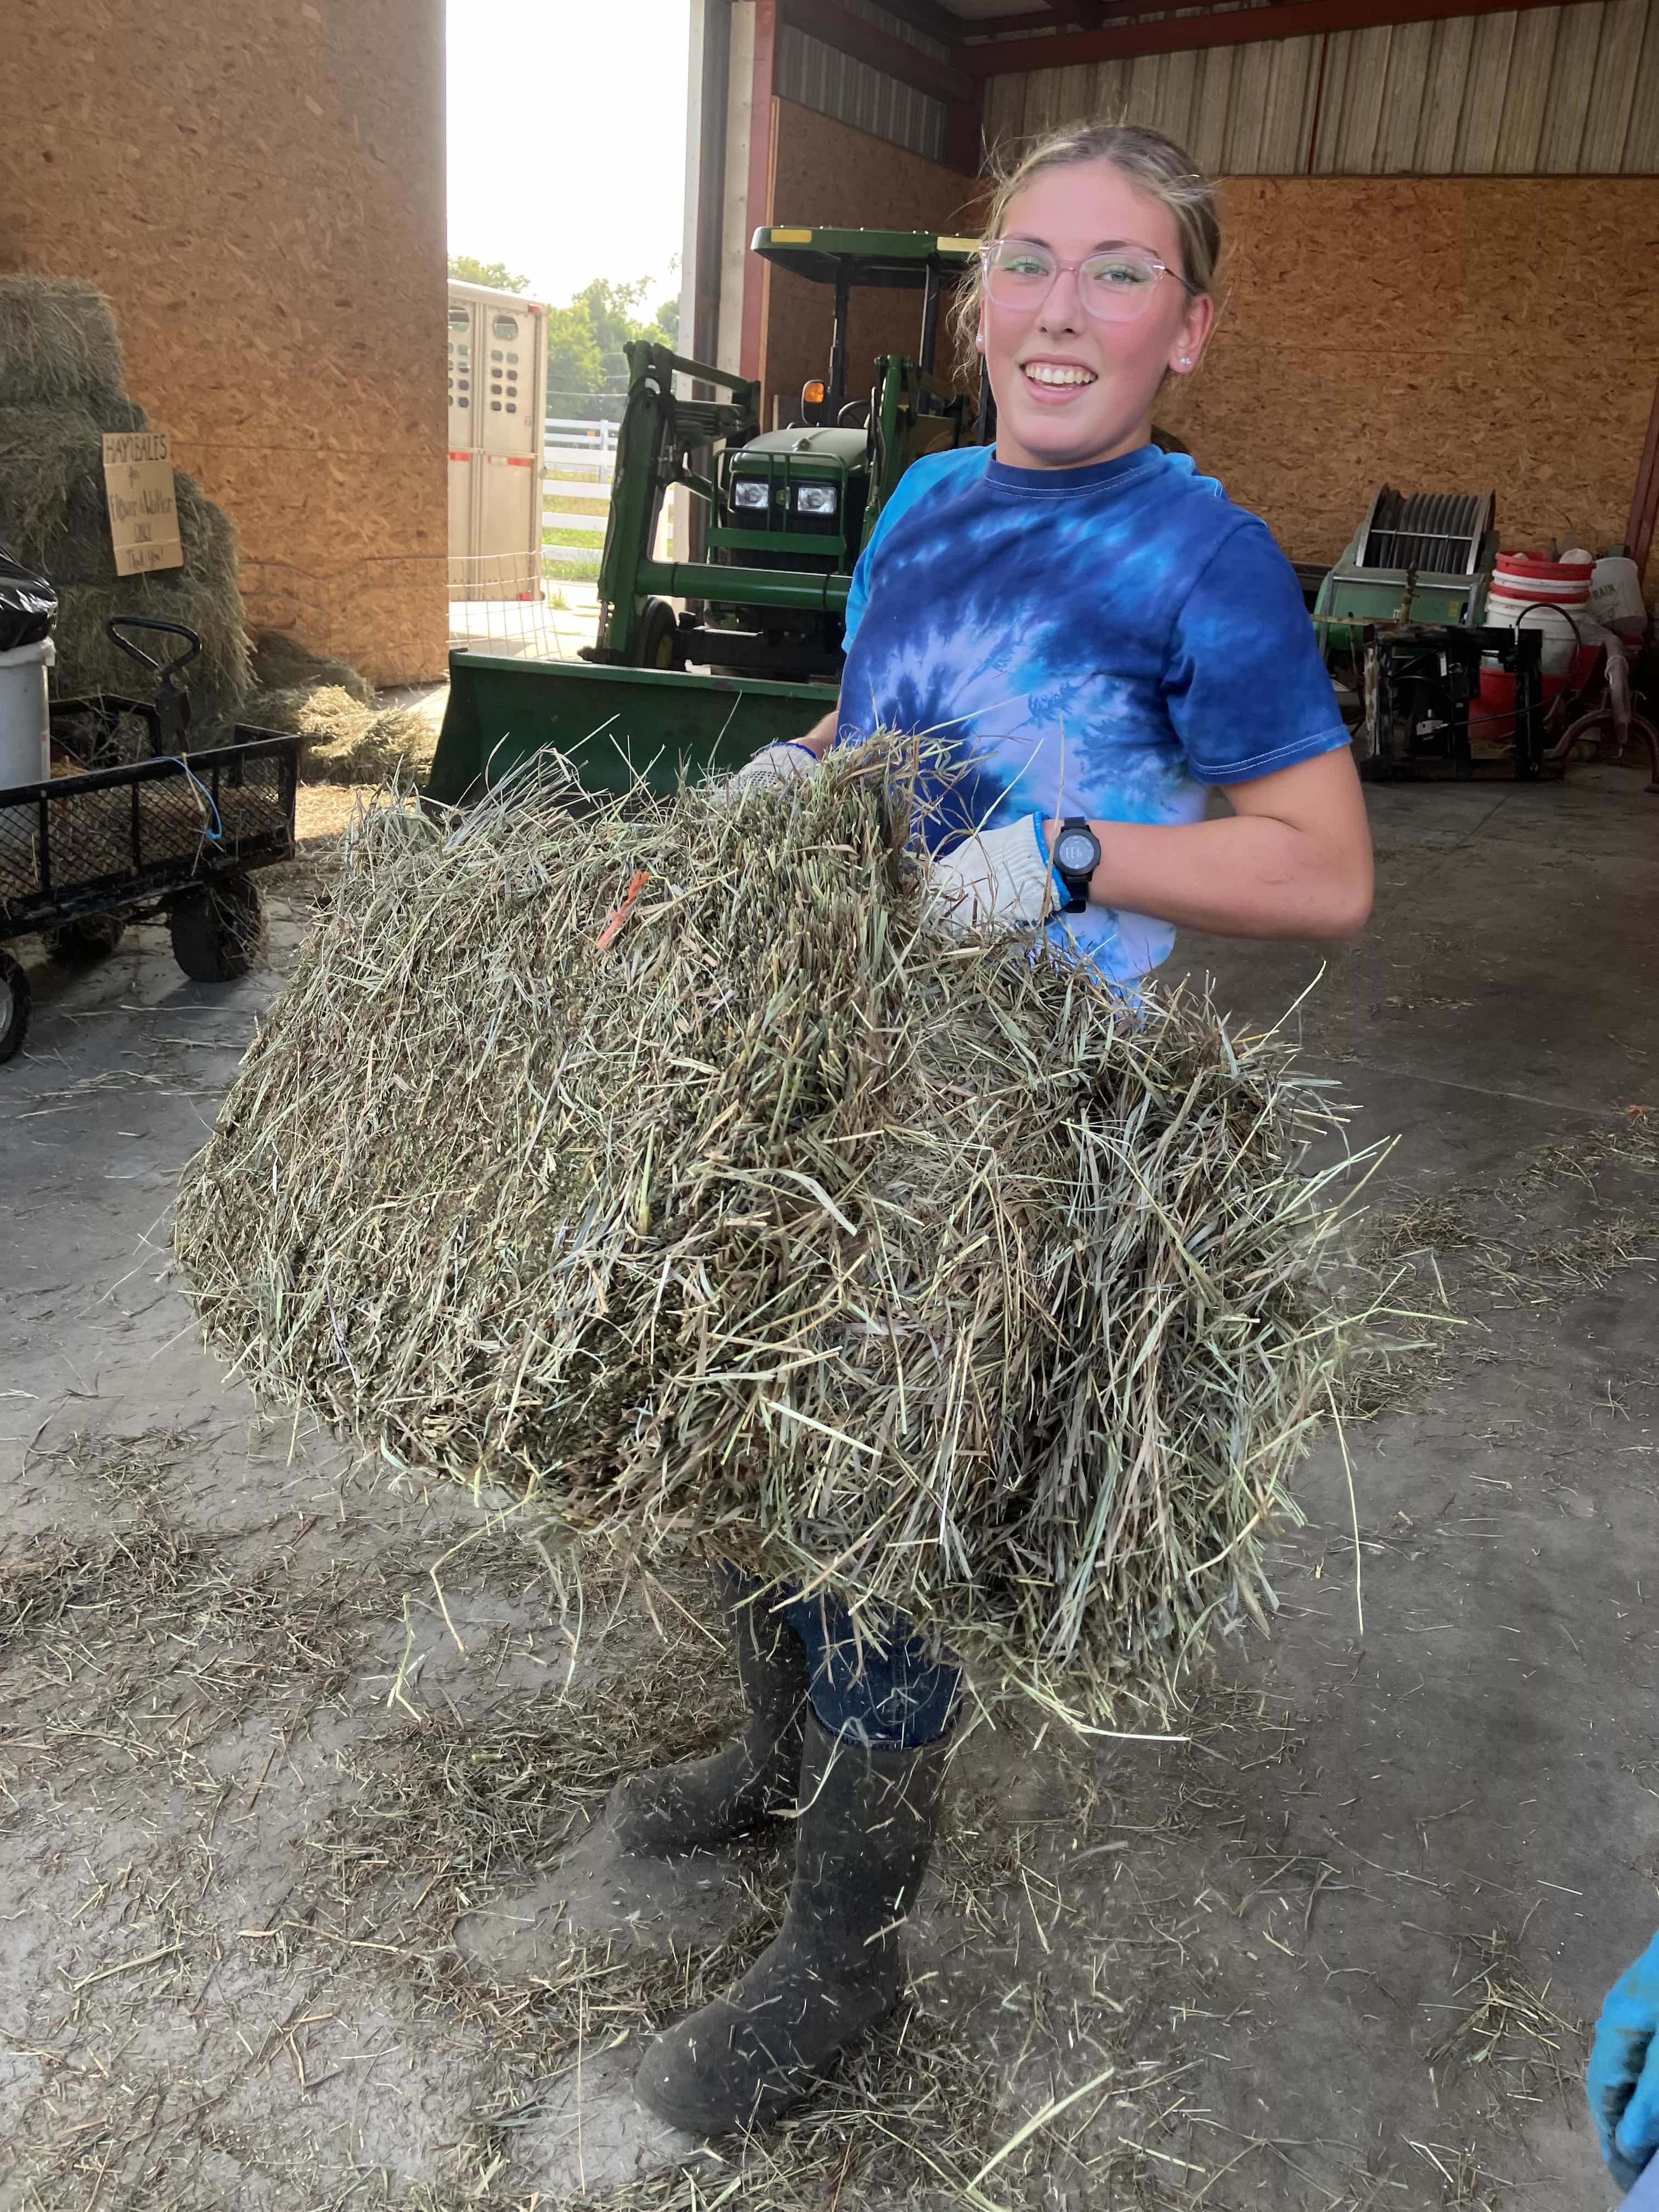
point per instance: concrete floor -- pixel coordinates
(1338, 1947)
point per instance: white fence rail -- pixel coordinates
(565, 431)
(580, 463)
(579, 460)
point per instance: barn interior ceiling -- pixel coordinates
(988, 38)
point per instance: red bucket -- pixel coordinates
(1492, 718)
(1531, 576)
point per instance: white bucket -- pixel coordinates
(25, 717)
(1615, 595)
(1551, 624)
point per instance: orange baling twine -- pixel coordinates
(619, 913)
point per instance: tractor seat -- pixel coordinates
(929, 434)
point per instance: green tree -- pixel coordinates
(668, 313)
(613, 309)
(467, 269)
(586, 366)
(575, 368)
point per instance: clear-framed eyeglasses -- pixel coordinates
(1115, 286)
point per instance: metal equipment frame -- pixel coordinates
(1420, 679)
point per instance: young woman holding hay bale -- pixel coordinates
(1102, 636)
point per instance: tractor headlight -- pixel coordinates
(748, 492)
(815, 499)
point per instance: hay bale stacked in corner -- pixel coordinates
(781, 1226)
(61, 388)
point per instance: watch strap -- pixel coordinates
(1076, 887)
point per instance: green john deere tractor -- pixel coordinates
(782, 516)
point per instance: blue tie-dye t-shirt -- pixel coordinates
(1100, 641)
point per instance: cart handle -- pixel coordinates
(116, 624)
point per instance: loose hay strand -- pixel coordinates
(929, 1271)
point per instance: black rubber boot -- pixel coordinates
(700, 1801)
(866, 1829)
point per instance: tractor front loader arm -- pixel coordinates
(902, 427)
(659, 434)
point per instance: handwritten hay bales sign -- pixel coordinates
(144, 515)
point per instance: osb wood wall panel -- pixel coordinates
(261, 191)
(825, 173)
(1435, 333)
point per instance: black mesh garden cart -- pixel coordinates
(131, 822)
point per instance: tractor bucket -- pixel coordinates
(617, 726)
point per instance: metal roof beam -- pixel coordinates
(1100, 12)
(1236, 27)
(926, 15)
(832, 25)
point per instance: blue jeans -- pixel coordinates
(891, 1693)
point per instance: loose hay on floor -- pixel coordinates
(347, 742)
(660, 1160)
(1507, 2027)
(281, 662)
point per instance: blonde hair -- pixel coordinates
(1153, 164)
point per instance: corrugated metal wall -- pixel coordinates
(815, 76)
(1547, 91)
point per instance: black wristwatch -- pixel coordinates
(1077, 855)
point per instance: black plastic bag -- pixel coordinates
(28, 605)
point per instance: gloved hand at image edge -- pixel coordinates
(781, 764)
(1623, 2082)
(1001, 878)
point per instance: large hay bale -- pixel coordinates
(781, 1225)
(58, 346)
(50, 458)
(60, 391)
(84, 553)
(54, 508)
(211, 606)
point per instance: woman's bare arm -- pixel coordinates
(822, 735)
(1293, 860)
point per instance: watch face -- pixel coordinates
(1076, 853)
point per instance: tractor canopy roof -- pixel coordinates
(894, 259)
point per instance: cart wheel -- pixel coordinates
(14, 1008)
(216, 930)
(78, 944)
(660, 636)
